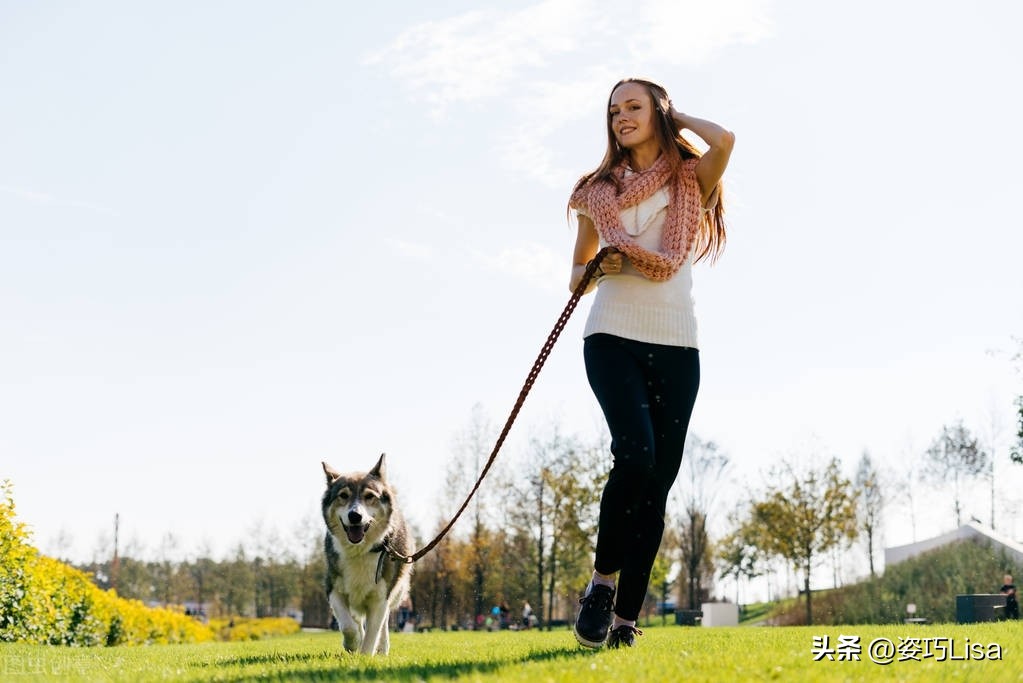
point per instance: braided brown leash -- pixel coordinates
(591, 269)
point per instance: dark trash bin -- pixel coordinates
(688, 617)
(979, 607)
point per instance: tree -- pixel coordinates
(474, 445)
(704, 465)
(737, 553)
(453, 556)
(552, 509)
(661, 580)
(802, 516)
(906, 477)
(431, 583)
(312, 596)
(871, 503)
(697, 559)
(164, 569)
(273, 583)
(201, 572)
(239, 583)
(569, 505)
(955, 452)
(1016, 453)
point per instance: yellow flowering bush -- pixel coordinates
(245, 628)
(44, 601)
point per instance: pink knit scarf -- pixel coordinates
(601, 201)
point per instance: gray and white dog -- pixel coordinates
(363, 582)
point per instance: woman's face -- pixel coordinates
(632, 116)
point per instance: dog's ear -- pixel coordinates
(331, 473)
(380, 470)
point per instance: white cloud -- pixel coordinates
(49, 200)
(691, 32)
(561, 56)
(551, 107)
(31, 195)
(522, 150)
(412, 250)
(479, 54)
(533, 263)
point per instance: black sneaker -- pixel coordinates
(624, 635)
(594, 618)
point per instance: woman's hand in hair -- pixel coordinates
(712, 164)
(714, 135)
(676, 116)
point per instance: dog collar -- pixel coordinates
(380, 548)
(385, 549)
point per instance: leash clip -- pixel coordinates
(384, 549)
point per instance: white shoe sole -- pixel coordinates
(593, 645)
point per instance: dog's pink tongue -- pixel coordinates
(356, 533)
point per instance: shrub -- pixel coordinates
(43, 601)
(244, 628)
(930, 581)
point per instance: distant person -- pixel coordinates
(494, 620)
(404, 612)
(1008, 589)
(505, 615)
(655, 202)
(527, 612)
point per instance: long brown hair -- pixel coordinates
(710, 240)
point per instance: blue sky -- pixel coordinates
(238, 238)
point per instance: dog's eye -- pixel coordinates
(369, 496)
(343, 495)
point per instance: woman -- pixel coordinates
(656, 201)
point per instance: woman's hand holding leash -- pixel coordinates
(612, 263)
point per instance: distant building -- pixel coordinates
(971, 531)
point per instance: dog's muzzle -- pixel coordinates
(356, 527)
(356, 532)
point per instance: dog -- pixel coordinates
(364, 583)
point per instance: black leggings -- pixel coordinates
(646, 392)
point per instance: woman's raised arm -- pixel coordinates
(712, 164)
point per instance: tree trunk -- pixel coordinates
(445, 598)
(477, 588)
(959, 515)
(664, 601)
(870, 550)
(806, 587)
(552, 561)
(478, 562)
(539, 557)
(992, 489)
(550, 589)
(433, 600)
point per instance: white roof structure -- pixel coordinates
(970, 531)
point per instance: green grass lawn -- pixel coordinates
(663, 653)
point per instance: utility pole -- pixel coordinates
(116, 564)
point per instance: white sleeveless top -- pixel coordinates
(629, 305)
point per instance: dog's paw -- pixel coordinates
(352, 642)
